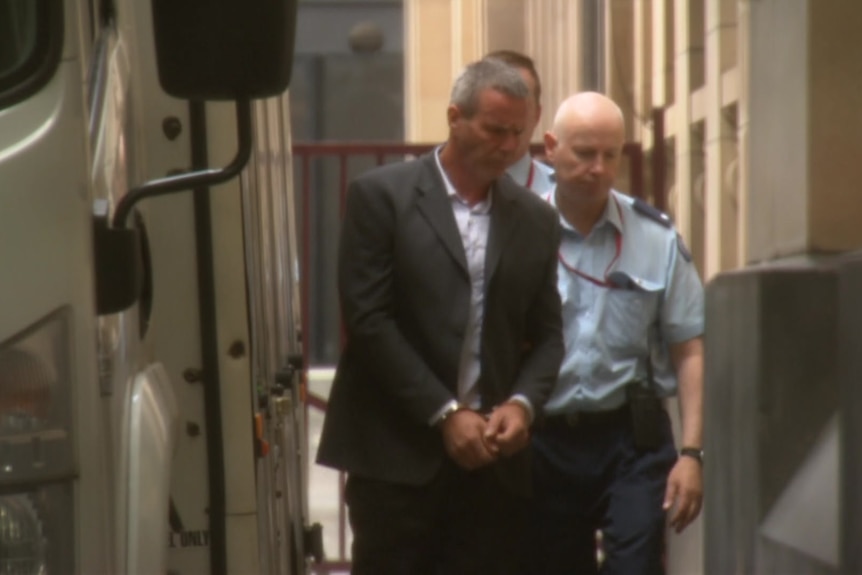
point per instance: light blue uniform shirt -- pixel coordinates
(606, 329)
(532, 174)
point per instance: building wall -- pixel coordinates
(762, 119)
(648, 53)
(756, 95)
(442, 36)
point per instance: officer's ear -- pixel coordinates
(551, 144)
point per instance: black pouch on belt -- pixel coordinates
(645, 407)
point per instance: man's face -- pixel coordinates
(488, 140)
(586, 157)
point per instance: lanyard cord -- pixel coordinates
(619, 244)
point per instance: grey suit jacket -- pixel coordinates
(405, 297)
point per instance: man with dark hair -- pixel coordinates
(525, 170)
(447, 280)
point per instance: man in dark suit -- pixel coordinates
(447, 279)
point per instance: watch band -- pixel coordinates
(693, 452)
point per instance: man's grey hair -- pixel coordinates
(482, 75)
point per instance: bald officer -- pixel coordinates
(633, 323)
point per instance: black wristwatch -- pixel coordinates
(693, 452)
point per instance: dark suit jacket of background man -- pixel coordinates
(405, 297)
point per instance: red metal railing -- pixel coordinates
(304, 156)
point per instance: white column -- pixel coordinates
(721, 229)
(682, 117)
(742, 201)
(643, 79)
(428, 68)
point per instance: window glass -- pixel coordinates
(18, 37)
(31, 44)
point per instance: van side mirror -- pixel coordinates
(205, 50)
(224, 49)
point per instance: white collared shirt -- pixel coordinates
(473, 224)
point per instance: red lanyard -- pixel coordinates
(529, 184)
(619, 245)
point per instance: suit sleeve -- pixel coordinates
(544, 329)
(366, 288)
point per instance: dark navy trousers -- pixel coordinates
(588, 476)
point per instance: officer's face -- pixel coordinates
(487, 140)
(586, 155)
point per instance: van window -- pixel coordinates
(18, 35)
(30, 46)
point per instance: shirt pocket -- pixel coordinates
(628, 315)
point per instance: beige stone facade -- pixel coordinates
(441, 36)
(762, 122)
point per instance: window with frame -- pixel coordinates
(31, 38)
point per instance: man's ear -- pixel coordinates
(550, 145)
(453, 114)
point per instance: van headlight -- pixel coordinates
(37, 461)
(22, 539)
(35, 402)
(25, 391)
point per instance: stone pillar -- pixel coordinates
(662, 53)
(643, 78)
(805, 130)
(743, 74)
(619, 62)
(688, 67)
(441, 36)
(721, 216)
(552, 40)
(662, 50)
(506, 25)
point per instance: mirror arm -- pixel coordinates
(191, 180)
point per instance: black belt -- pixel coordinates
(590, 418)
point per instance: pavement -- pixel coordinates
(323, 483)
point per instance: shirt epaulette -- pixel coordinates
(652, 213)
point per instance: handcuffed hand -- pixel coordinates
(508, 429)
(464, 439)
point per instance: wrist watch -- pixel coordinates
(693, 452)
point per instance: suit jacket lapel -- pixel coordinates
(435, 205)
(504, 220)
